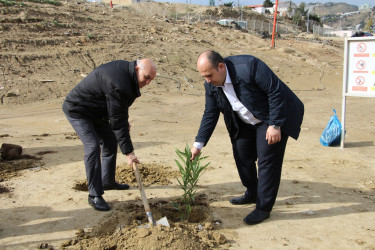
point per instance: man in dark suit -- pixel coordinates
(98, 110)
(260, 113)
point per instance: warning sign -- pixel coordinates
(360, 80)
(360, 67)
(359, 72)
(361, 47)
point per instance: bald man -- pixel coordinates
(98, 110)
(260, 113)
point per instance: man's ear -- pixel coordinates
(221, 66)
(136, 68)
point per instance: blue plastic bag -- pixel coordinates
(331, 135)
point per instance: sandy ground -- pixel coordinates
(326, 197)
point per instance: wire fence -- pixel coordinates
(251, 25)
(329, 32)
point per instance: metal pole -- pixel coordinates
(344, 90)
(269, 27)
(308, 22)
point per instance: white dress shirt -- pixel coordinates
(243, 113)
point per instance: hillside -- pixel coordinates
(45, 49)
(326, 195)
(330, 14)
(324, 9)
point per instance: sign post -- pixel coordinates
(359, 72)
(274, 24)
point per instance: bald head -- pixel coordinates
(211, 67)
(211, 57)
(146, 71)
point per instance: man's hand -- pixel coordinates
(194, 152)
(132, 158)
(273, 135)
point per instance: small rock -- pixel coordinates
(11, 151)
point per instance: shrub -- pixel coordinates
(190, 172)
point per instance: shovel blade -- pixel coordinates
(163, 221)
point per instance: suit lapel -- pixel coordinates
(233, 76)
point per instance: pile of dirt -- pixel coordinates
(150, 174)
(127, 228)
(13, 161)
(11, 169)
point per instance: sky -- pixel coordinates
(254, 2)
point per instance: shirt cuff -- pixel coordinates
(198, 145)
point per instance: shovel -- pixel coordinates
(163, 221)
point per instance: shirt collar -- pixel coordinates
(227, 79)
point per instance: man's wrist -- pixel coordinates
(198, 145)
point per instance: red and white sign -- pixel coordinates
(360, 71)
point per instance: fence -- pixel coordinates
(251, 25)
(321, 31)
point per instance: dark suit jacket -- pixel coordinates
(260, 91)
(106, 94)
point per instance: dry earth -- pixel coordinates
(326, 197)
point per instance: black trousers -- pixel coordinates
(251, 146)
(100, 146)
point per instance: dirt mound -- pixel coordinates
(12, 168)
(127, 228)
(150, 174)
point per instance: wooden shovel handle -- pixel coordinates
(140, 187)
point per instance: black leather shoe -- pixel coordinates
(256, 216)
(244, 199)
(98, 203)
(116, 186)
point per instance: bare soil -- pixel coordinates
(326, 198)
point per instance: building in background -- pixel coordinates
(365, 6)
